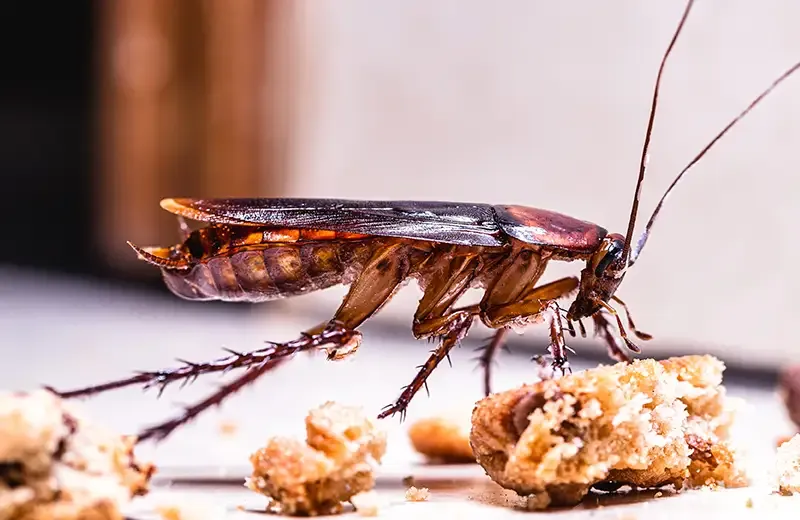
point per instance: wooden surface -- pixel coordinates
(68, 334)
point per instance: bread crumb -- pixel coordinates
(658, 494)
(749, 503)
(57, 464)
(414, 494)
(169, 512)
(650, 424)
(342, 450)
(187, 510)
(442, 439)
(787, 467)
(228, 428)
(366, 503)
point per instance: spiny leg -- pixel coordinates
(448, 276)
(335, 334)
(458, 329)
(488, 354)
(558, 347)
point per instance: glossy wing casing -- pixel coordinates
(463, 223)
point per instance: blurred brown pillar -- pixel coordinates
(189, 107)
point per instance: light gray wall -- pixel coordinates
(545, 104)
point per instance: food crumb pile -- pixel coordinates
(56, 464)
(342, 450)
(646, 424)
(787, 467)
(442, 439)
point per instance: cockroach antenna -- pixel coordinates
(635, 252)
(651, 120)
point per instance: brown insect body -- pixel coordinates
(255, 263)
(254, 250)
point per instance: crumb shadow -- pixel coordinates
(489, 493)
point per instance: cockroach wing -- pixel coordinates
(447, 222)
(548, 228)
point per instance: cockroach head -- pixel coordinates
(604, 271)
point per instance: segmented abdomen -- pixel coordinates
(272, 271)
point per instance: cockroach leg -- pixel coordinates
(639, 334)
(487, 356)
(630, 344)
(376, 284)
(602, 328)
(433, 316)
(531, 307)
(336, 352)
(276, 353)
(335, 334)
(186, 373)
(558, 347)
(458, 329)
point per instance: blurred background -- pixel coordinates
(107, 107)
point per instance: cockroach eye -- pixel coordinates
(614, 253)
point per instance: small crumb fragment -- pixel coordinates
(57, 464)
(186, 511)
(749, 503)
(169, 512)
(366, 503)
(787, 467)
(342, 450)
(228, 428)
(658, 494)
(442, 439)
(415, 494)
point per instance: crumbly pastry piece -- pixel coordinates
(415, 494)
(442, 439)
(342, 450)
(55, 464)
(646, 424)
(787, 467)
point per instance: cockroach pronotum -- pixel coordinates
(255, 250)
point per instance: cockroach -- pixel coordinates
(254, 250)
